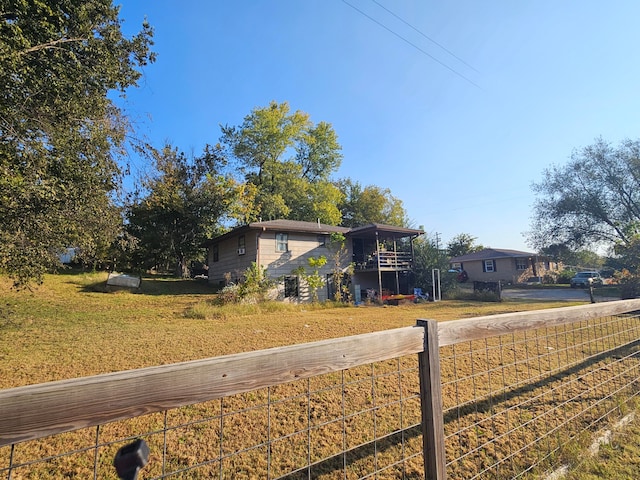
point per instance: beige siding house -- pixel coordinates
(507, 266)
(381, 256)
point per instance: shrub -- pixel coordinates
(565, 277)
(230, 294)
(629, 284)
(254, 287)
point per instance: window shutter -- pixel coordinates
(495, 269)
(484, 266)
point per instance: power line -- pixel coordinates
(414, 45)
(425, 35)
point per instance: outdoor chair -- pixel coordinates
(418, 295)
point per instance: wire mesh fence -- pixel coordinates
(353, 424)
(514, 401)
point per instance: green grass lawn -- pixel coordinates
(619, 459)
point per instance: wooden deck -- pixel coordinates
(388, 261)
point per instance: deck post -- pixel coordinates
(378, 263)
(431, 404)
(395, 265)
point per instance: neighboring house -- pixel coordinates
(381, 255)
(510, 266)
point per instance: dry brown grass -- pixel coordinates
(68, 328)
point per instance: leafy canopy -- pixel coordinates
(593, 199)
(287, 161)
(370, 204)
(462, 244)
(427, 256)
(59, 131)
(182, 205)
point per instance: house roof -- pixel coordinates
(281, 225)
(317, 227)
(297, 226)
(491, 254)
(385, 230)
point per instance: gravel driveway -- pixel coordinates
(553, 294)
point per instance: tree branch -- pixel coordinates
(51, 44)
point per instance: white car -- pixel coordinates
(586, 279)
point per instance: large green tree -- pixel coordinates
(593, 199)
(427, 256)
(180, 205)
(288, 161)
(580, 259)
(59, 130)
(462, 244)
(370, 204)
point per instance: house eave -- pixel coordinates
(384, 231)
(494, 254)
(280, 226)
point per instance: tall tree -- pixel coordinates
(627, 257)
(182, 205)
(370, 204)
(593, 199)
(427, 256)
(288, 161)
(462, 244)
(59, 130)
(581, 259)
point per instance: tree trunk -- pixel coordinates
(182, 268)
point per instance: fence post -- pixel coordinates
(431, 404)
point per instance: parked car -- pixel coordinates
(586, 279)
(198, 270)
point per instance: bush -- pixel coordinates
(565, 277)
(253, 288)
(629, 291)
(230, 294)
(629, 284)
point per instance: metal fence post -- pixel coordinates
(431, 404)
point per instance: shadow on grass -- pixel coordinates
(359, 458)
(476, 407)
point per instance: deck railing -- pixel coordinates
(501, 395)
(389, 261)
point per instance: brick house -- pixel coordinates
(508, 266)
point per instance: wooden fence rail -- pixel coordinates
(36, 411)
(477, 328)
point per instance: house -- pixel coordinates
(508, 266)
(381, 256)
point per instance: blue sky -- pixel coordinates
(458, 138)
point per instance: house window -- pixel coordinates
(282, 242)
(216, 255)
(241, 245)
(489, 266)
(522, 263)
(291, 286)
